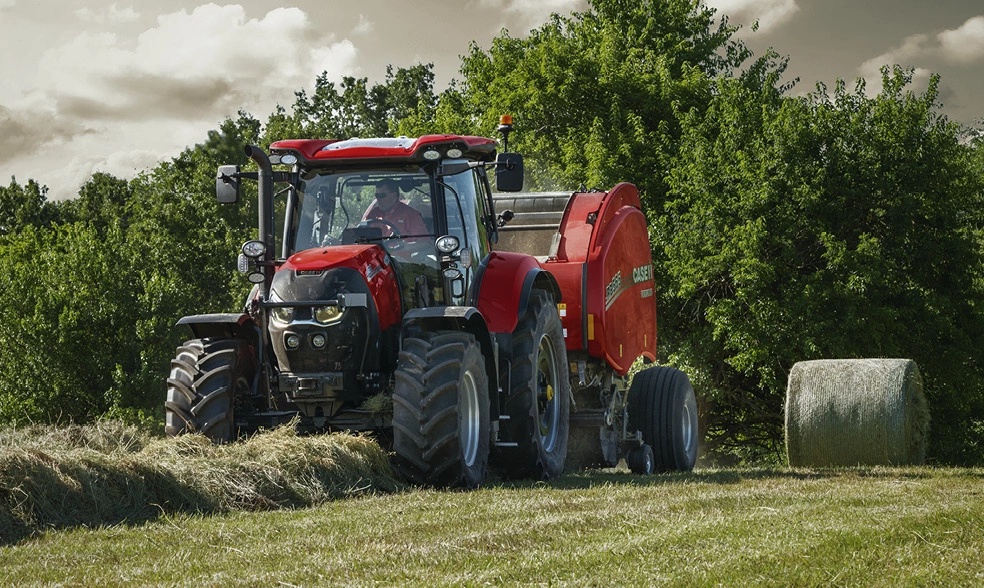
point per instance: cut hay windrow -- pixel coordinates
(846, 412)
(56, 477)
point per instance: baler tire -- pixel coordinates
(663, 407)
(207, 375)
(441, 410)
(641, 460)
(538, 402)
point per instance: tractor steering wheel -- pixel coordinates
(391, 226)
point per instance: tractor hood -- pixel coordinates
(314, 274)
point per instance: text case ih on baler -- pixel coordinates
(449, 347)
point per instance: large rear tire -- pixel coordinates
(539, 401)
(441, 410)
(662, 405)
(207, 375)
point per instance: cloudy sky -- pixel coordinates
(118, 85)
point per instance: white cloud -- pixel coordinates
(364, 26)
(7, 4)
(533, 13)
(769, 13)
(912, 50)
(966, 43)
(111, 15)
(189, 71)
(199, 65)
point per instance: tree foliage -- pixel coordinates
(823, 227)
(356, 108)
(599, 94)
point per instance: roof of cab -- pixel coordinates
(388, 148)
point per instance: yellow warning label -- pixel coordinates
(562, 309)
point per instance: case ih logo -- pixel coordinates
(614, 289)
(643, 273)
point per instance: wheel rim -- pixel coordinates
(470, 419)
(687, 428)
(546, 388)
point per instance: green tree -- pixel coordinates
(23, 206)
(67, 333)
(823, 227)
(598, 96)
(356, 108)
(102, 202)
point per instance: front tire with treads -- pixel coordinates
(441, 410)
(539, 401)
(206, 377)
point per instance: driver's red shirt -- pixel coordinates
(407, 220)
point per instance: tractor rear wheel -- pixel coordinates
(539, 400)
(441, 410)
(207, 375)
(663, 407)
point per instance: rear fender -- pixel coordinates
(507, 280)
(459, 318)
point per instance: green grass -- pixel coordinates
(870, 527)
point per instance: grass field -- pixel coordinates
(870, 527)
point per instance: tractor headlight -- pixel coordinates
(254, 249)
(447, 244)
(326, 315)
(282, 315)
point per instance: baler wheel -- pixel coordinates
(206, 377)
(539, 403)
(662, 405)
(441, 410)
(641, 460)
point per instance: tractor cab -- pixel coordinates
(444, 223)
(435, 231)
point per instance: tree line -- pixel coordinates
(838, 224)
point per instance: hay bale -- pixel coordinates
(845, 412)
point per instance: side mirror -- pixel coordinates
(509, 172)
(227, 184)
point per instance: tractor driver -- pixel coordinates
(392, 211)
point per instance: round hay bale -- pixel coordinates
(845, 412)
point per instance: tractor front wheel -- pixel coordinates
(441, 410)
(207, 375)
(539, 401)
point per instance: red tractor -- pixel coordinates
(427, 332)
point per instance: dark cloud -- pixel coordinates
(145, 97)
(27, 132)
